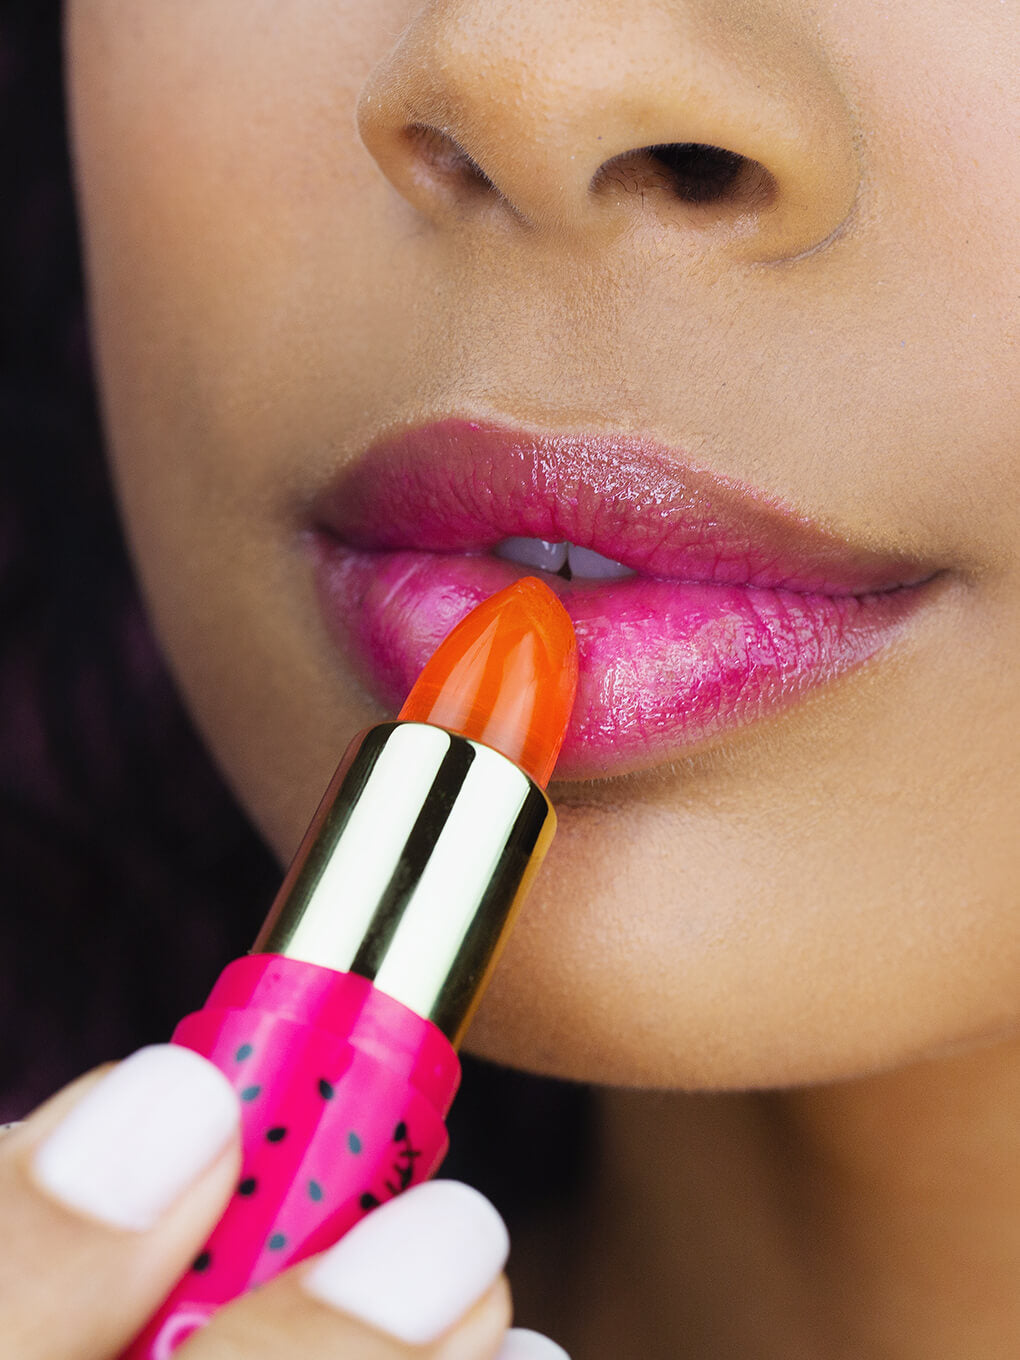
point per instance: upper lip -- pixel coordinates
(459, 485)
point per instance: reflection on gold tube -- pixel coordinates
(414, 867)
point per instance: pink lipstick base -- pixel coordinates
(664, 665)
(343, 1094)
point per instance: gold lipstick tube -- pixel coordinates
(413, 868)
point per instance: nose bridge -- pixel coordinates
(541, 100)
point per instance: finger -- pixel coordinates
(520, 1344)
(106, 1193)
(421, 1276)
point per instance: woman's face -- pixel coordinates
(315, 227)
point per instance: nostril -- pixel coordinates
(442, 158)
(701, 174)
(692, 172)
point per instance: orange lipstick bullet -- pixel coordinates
(505, 676)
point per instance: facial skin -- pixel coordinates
(825, 894)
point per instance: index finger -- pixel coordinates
(106, 1193)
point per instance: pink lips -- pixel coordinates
(739, 604)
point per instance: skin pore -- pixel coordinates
(308, 226)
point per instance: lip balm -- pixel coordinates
(339, 1030)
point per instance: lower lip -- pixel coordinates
(664, 666)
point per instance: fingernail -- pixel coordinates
(520, 1344)
(414, 1267)
(140, 1136)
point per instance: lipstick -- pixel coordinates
(340, 1029)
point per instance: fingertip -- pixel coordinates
(442, 1240)
(138, 1137)
(522, 1344)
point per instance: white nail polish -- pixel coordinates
(414, 1267)
(521, 1344)
(140, 1136)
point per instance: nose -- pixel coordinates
(724, 121)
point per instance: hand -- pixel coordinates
(108, 1191)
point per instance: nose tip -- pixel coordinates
(567, 119)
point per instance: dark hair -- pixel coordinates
(128, 876)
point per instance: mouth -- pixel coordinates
(700, 606)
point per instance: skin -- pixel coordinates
(821, 904)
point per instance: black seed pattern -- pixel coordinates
(369, 1202)
(277, 1242)
(202, 1262)
(245, 1051)
(251, 1092)
(314, 1191)
(276, 1134)
(326, 1089)
(403, 1167)
(248, 1186)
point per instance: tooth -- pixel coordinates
(584, 562)
(533, 552)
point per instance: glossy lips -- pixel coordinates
(738, 605)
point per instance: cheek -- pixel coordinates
(212, 147)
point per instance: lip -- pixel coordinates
(740, 604)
